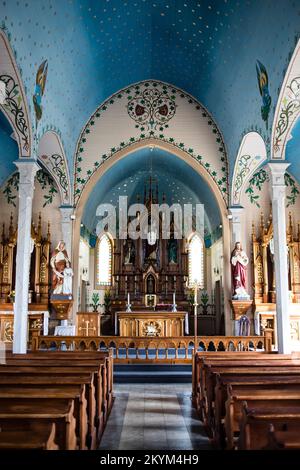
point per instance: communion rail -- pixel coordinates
(136, 349)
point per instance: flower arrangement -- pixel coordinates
(107, 302)
(204, 298)
(95, 302)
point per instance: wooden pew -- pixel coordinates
(44, 439)
(59, 368)
(222, 358)
(254, 424)
(243, 383)
(76, 393)
(105, 358)
(45, 383)
(22, 415)
(283, 440)
(259, 400)
(209, 378)
(44, 369)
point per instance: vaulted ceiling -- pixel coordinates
(208, 48)
(175, 178)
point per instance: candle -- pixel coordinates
(128, 298)
(173, 298)
(195, 295)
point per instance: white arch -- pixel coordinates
(52, 155)
(156, 111)
(288, 107)
(200, 170)
(15, 106)
(252, 153)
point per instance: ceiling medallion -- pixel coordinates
(152, 109)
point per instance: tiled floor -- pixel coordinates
(153, 416)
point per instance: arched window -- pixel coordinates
(196, 261)
(104, 261)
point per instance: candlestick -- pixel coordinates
(174, 309)
(128, 309)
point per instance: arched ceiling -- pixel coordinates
(9, 151)
(208, 48)
(176, 179)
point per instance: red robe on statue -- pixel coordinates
(239, 261)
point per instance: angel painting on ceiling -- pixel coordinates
(263, 85)
(40, 83)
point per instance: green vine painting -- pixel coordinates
(258, 180)
(289, 182)
(46, 182)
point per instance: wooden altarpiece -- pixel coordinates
(263, 261)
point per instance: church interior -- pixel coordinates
(149, 225)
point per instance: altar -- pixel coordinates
(151, 323)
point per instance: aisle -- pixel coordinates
(153, 416)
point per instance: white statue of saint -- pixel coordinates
(67, 283)
(59, 262)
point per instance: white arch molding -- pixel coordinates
(15, 107)
(287, 108)
(252, 153)
(185, 156)
(150, 110)
(52, 156)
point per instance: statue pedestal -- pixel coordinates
(240, 307)
(62, 305)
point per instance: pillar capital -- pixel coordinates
(28, 168)
(66, 212)
(235, 213)
(277, 172)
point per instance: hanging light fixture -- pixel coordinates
(152, 232)
(151, 237)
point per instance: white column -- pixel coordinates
(237, 234)
(67, 227)
(27, 170)
(277, 172)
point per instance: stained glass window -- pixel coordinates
(196, 261)
(104, 261)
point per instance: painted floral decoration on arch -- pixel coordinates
(151, 109)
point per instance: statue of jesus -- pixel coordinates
(239, 261)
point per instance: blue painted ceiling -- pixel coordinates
(180, 183)
(207, 47)
(8, 149)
